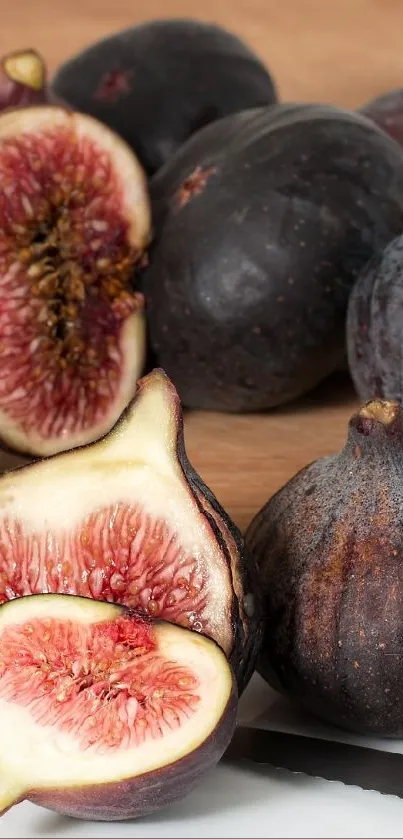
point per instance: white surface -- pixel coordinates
(243, 801)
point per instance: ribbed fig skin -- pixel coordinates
(386, 111)
(329, 547)
(146, 793)
(374, 326)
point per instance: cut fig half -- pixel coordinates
(128, 520)
(74, 219)
(105, 714)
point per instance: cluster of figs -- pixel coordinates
(173, 237)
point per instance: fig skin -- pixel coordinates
(386, 111)
(160, 81)
(262, 222)
(245, 621)
(329, 546)
(147, 793)
(374, 326)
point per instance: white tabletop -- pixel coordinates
(243, 801)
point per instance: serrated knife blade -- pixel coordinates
(330, 760)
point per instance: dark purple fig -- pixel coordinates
(74, 219)
(128, 520)
(387, 112)
(160, 81)
(329, 548)
(106, 715)
(375, 326)
(262, 221)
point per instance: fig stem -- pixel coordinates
(26, 68)
(380, 410)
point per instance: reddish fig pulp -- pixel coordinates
(128, 520)
(112, 716)
(329, 546)
(74, 218)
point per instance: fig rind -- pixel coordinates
(328, 546)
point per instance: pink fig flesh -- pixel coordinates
(113, 716)
(74, 219)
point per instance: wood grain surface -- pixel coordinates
(343, 52)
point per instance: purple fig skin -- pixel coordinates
(387, 112)
(329, 547)
(374, 326)
(143, 795)
(31, 91)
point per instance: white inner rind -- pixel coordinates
(38, 757)
(135, 465)
(133, 349)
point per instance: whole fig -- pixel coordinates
(329, 546)
(374, 326)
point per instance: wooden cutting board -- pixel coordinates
(344, 53)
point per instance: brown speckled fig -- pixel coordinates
(329, 546)
(374, 326)
(106, 715)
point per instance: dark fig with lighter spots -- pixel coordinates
(159, 81)
(374, 326)
(106, 715)
(74, 220)
(386, 111)
(329, 548)
(263, 221)
(127, 519)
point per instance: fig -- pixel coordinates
(74, 220)
(387, 112)
(158, 82)
(262, 222)
(108, 715)
(127, 519)
(329, 549)
(374, 326)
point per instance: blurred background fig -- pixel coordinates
(329, 548)
(158, 82)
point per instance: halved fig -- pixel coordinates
(74, 219)
(127, 519)
(104, 714)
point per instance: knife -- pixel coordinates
(361, 766)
